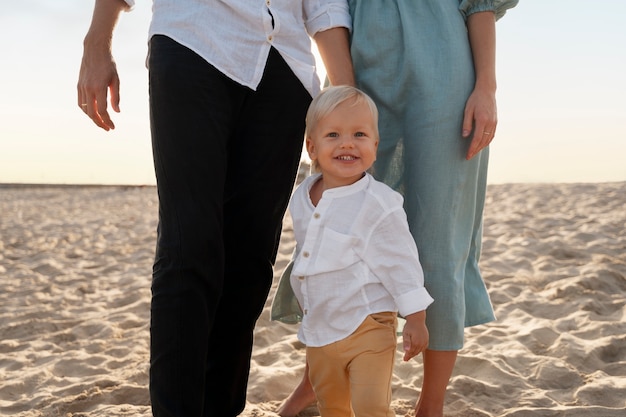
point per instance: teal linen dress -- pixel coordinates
(414, 59)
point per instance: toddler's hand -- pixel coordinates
(414, 335)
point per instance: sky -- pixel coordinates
(561, 87)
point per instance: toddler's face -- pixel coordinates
(344, 143)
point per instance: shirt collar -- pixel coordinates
(346, 190)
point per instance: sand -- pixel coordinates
(75, 266)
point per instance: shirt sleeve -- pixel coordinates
(323, 15)
(392, 255)
(131, 3)
(499, 7)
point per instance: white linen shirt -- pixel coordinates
(354, 257)
(235, 36)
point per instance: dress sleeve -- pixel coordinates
(499, 7)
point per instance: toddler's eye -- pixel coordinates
(333, 135)
(359, 134)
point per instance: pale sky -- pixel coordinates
(561, 89)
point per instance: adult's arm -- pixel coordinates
(480, 109)
(98, 72)
(334, 47)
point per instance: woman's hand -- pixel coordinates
(480, 108)
(481, 114)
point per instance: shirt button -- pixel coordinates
(270, 38)
(268, 3)
(316, 215)
(306, 254)
(306, 311)
(301, 278)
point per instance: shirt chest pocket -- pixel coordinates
(336, 251)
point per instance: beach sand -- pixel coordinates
(75, 265)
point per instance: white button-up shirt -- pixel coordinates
(354, 256)
(235, 36)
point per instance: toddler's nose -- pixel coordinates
(347, 142)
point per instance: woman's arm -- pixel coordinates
(480, 109)
(98, 72)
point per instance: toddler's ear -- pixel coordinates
(310, 148)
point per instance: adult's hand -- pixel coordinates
(481, 114)
(480, 108)
(98, 72)
(98, 76)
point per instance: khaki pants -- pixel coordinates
(352, 377)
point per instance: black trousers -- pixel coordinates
(225, 158)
